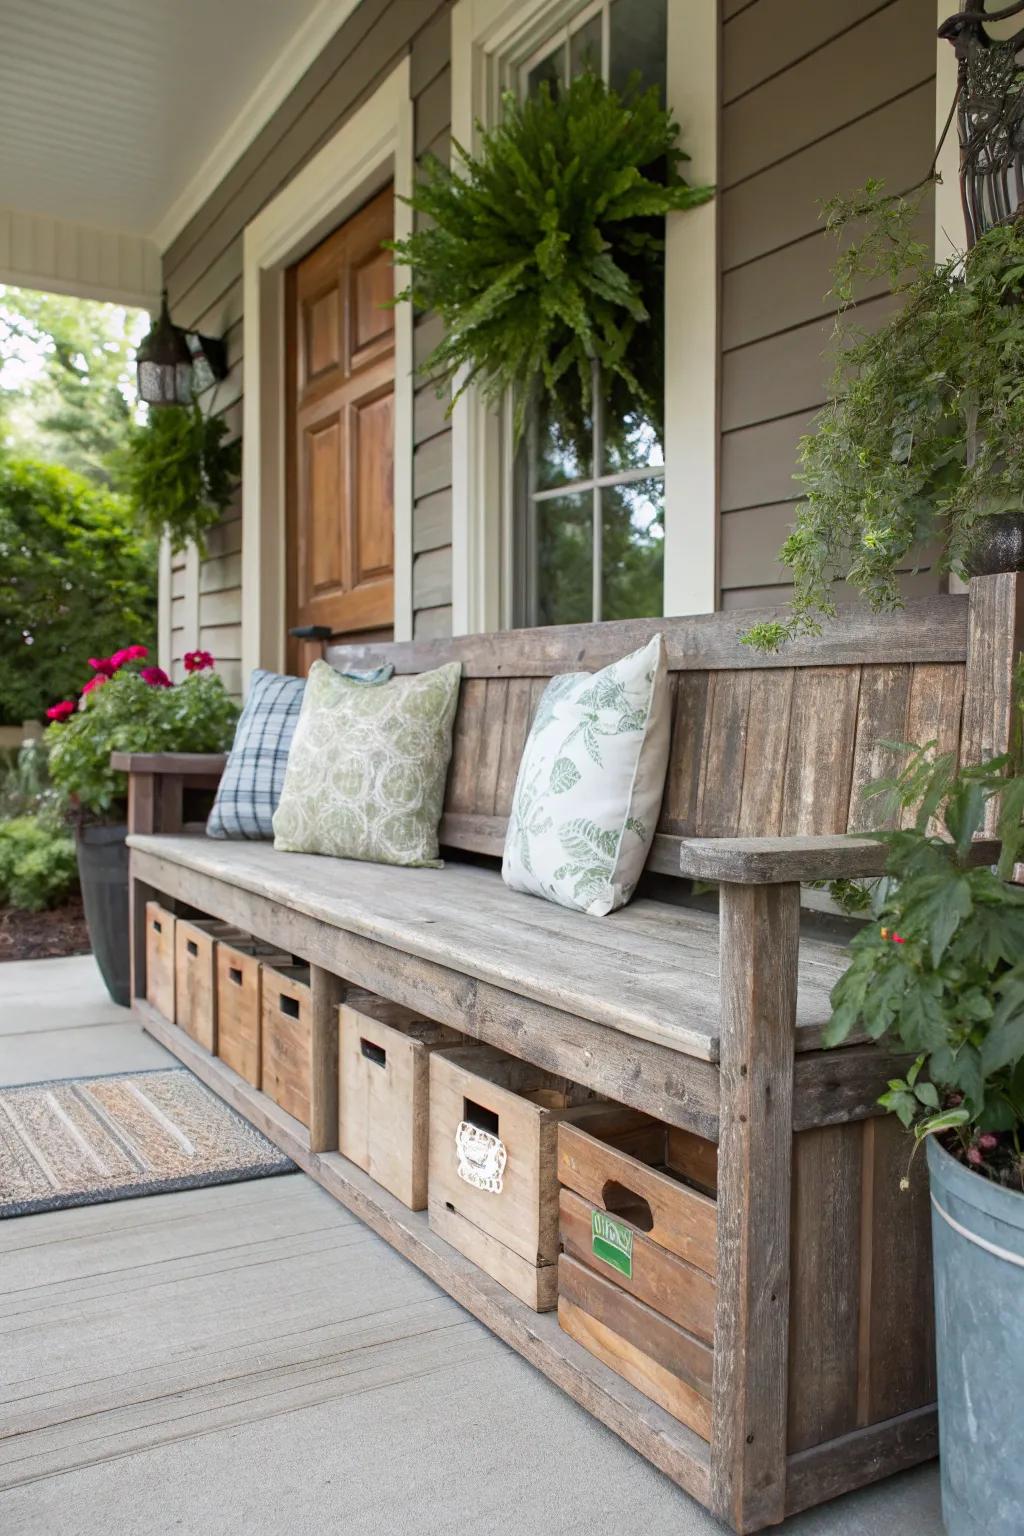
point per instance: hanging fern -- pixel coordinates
(181, 474)
(543, 253)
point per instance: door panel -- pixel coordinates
(340, 348)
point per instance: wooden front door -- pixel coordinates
(341, 361)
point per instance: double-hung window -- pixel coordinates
(588, 485)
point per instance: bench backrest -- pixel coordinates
(760, 745)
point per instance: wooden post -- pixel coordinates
(327, 992)
(995, 638)
(759, 940)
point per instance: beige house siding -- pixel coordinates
(815, 99)
(203, 273)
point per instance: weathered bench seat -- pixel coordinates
(823, 1360)
(650, 969)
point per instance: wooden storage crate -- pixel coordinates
(384, 1091)
(239, 975)
(286, 1037)
(160, 958)
(195, 975)
(636, 1279)
(511, 1232)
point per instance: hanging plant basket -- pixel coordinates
(181, 473)
(544, 252)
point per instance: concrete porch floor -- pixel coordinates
(252, 1359)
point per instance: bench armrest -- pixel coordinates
(189, 764)
(781, 860)
(157, 782)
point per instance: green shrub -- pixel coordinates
(75, 577)
(37, 863)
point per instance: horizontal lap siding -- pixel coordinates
(815, 99)
(203, 274)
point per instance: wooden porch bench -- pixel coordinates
(823, 1377)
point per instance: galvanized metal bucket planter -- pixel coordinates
(978, 1239)
(103, 875)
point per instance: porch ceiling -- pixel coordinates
(114, 114)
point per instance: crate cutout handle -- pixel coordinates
(374, 1052)
(620, 1201)
(192, 946)
(481, 1156)
(288, 1005)
(235, 974)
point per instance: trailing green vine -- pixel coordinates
(543, 252)
(181, 474)
(925, 431)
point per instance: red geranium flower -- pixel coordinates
(129, 653)
(62, 710)
(156, 677)
(95, 682)
(106, 666)
(197, 661)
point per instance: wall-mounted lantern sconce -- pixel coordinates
(173, 365)
(990, 114)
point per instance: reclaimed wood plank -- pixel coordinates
(760, 933)
(820, 760)
(824, 1260)
(928, 629)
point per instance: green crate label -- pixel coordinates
(612, 1241)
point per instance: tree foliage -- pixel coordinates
(925, 430)
(77, 408)
(543, 252)
(75, 578)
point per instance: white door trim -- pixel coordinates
(371, 147)
(489, 40)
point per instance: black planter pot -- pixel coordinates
(997, 545)
(103, 872)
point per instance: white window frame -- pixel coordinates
(491, 39)
(372, 147)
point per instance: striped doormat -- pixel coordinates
(80, 1141)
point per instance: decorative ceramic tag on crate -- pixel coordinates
(612, 1241)
(482, 1157)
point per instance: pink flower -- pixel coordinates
(95, 682)
(106, 666)
(197, 661)
(987, 1142)
(129, 653)
(156, 677)
(974, 1157)
(61, 711)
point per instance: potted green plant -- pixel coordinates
(125, 706)
(922, 442)
(939, 973)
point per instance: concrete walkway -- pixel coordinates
(251, 1359)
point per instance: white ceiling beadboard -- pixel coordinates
(37, 251)
(121, 115)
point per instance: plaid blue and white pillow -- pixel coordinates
(251, 784)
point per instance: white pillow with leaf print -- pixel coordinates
(590, 784)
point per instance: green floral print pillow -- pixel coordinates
(367, 767)
(590, 783)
